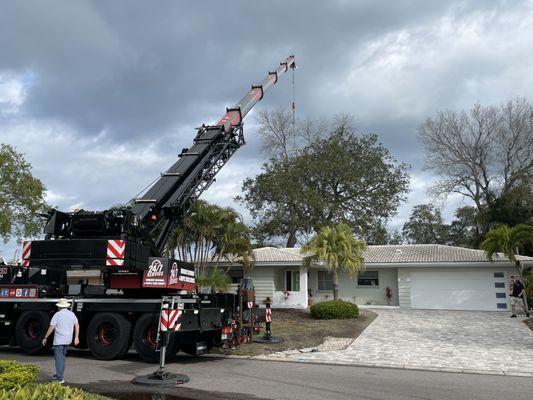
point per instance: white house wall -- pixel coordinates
(349, 290)
(263, 283)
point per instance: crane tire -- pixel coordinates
(144, 339)
(108, 335)
(30, 329)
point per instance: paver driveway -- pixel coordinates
(465, 341)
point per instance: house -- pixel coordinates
(426, 276)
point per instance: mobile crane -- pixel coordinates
(126, 244)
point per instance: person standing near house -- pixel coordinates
(517, 296)
(65, 325)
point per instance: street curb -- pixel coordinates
(401, 367)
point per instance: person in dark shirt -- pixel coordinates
(517, 296)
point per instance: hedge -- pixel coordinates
(334, 309)
(14, 375)
(17, 382)
(48, 391)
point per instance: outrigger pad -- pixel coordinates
(161, 379)
(271, 339)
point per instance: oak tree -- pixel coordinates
(21, 196)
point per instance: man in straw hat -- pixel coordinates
(65, 324)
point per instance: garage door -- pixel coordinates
(458, 289)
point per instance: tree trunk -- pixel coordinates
(291, 241)
(335, 277)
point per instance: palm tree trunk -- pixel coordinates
(335, 276)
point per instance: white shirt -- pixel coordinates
(63, 322)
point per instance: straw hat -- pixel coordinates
(63, 303)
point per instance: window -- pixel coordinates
(368, 278)
(500, 295)
(325, 280)
(501, 305)
(499, 284)
(292, 281)
(498, 275)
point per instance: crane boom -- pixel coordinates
(142, 228)
(173, 193)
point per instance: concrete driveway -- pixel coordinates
(453, 341)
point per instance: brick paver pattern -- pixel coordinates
(456, 341)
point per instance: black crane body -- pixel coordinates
(126, 245)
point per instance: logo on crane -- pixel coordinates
(155, 270)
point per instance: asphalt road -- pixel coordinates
(232, 378)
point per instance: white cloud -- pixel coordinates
(13, 91)
(452, 62)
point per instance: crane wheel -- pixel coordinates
(145, 339)
(108, 336)
(30, 330)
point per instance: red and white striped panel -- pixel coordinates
(26, 252)
(115, 252)
(268, 316)
(165, 314)
(250, 304)
(170, 320)
(176, 323)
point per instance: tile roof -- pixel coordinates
(394, 254)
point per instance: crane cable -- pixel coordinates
(293, 67)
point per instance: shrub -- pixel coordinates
(49, 391)
(14, 375)
(334, 309)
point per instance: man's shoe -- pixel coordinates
(513, 316)
(54, 378)
(61, 381)
(527, 315)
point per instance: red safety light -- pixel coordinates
(153, 217)
(226, 330)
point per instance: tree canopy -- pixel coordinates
(21, 196)
(337, 178)
(482, 154)
(425, 226)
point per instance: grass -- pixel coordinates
(298, 330)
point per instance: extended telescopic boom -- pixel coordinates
(165, 203)
(234, 115)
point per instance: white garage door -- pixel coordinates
(457, 289)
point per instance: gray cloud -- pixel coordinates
(102, 95)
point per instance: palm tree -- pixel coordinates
(208, 234)
(215, 280)
(509, 241)
(338, 249)
(235, 243)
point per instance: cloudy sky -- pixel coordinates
(101, 96)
